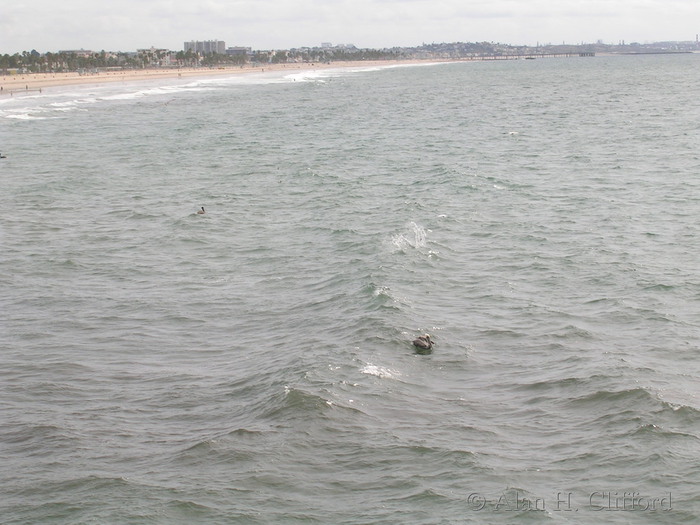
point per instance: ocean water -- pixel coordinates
(254, 365)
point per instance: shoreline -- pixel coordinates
(41, 81)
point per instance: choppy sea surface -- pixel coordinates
(253, 364)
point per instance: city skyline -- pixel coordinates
(283, 24)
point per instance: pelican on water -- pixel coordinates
(423, 342)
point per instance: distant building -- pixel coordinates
(206, 47)
(329, 45)
(239, 51)
(78, 52)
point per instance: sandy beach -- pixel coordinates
(10, 84)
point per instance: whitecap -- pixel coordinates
(380, 371)
(26, 116)
(67, 104)
(416, 238)
(307, 76)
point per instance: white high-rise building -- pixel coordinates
(206, 47)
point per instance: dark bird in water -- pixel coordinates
(2, 156)
(423, 342)
(201, 211)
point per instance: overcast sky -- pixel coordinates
(127, 25)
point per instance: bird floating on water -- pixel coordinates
(201, 211)
(423, 342)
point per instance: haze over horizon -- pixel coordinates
(128, 25)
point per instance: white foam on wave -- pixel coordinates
(386, 294)
(58, 102)
(416, 237)
(154, 91)
(381, 290)
(22, 116)
(380, 371)
(307, 76)
(323, 75)
(268, 77)
(50, 111)
(64, 105)
(72, 102)
(67, 109)
(46, 106)
(28, 116)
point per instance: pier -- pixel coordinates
(532, 56)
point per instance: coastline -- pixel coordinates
(40, 81)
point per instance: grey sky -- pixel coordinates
(125, 25)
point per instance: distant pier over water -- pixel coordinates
(531, 56)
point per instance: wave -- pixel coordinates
(626, 397)
(664, 435)
(296, 403)
(413, 239)
(158, 91)
(380, 371)
(383, 297)
(236, 446)
(319, 76)
(27, 116)
(61, 102)
(105, 499)
(634, 413)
